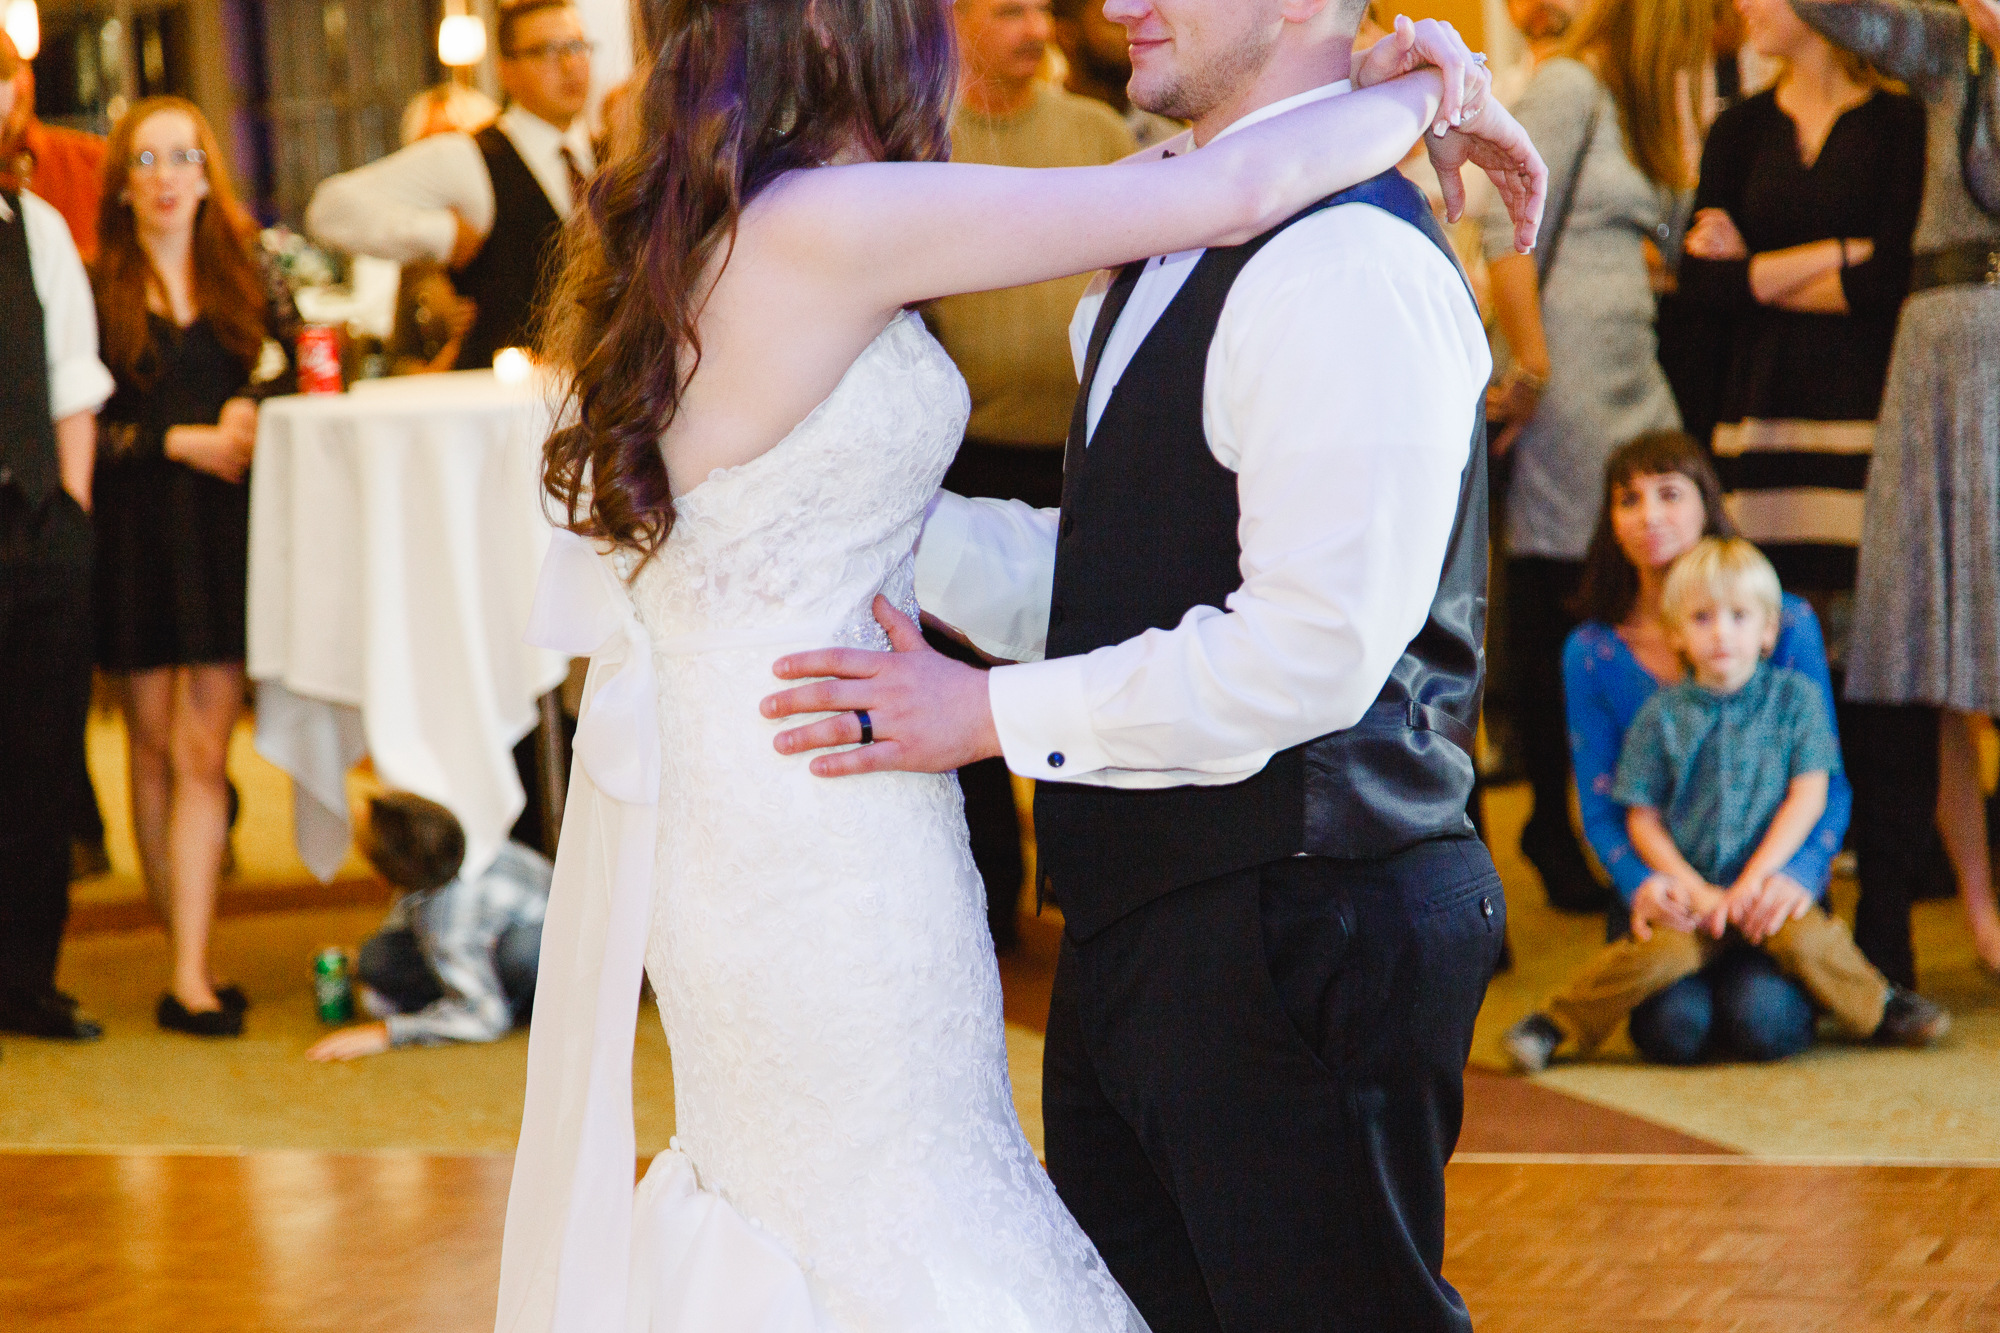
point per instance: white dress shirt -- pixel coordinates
(1341, 387)
(400, 207)
(78, 380)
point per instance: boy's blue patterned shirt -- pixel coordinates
(1718, 766)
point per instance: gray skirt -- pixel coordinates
(1927, 593)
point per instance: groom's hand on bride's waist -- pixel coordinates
(926, 713)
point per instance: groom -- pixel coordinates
(1250, 647)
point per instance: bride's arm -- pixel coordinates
(898, 233)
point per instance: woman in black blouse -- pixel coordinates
(1808, 199)
(195, 331)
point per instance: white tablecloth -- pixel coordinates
(395, 537)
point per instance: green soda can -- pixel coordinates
(333, 986)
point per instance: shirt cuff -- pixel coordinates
(1043, 722)
(940, 544)
(78, 384)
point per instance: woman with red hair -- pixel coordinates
(188, 321)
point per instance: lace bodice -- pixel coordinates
(814, 528)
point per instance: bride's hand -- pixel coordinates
(1471, 126)
(1492, 140)
(1415, 46)
(927, 713)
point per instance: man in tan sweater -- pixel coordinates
(1013, 346)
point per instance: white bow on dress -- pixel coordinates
(568, 1264)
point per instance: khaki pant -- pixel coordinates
(1815, 950)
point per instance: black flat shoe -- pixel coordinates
(45, 1014)
(177, 1017)
(233, 999)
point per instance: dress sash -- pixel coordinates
(568, 1263)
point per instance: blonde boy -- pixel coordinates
(1723, 776)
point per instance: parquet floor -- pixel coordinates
(1702, 1247)
(305, 1242)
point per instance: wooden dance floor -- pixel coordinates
(301, 1242)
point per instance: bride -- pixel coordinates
(757, 423)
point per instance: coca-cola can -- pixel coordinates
(319, 359)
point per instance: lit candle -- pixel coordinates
(512, 365)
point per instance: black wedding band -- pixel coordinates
(867, 727)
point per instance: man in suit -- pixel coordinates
(51, 385)
(1252, 718)
(489, 205)
(64, 167)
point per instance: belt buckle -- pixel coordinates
(1992, 278)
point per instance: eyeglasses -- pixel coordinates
(553, 51)
(178, 159)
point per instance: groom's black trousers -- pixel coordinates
(1252, 1085)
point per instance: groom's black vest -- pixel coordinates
(1149, 531)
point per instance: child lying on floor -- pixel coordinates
(1723, 777)
(456, 958)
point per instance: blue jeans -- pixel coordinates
(1740, 1007)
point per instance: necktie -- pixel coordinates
(577, 183)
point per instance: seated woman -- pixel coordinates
(1660, 498)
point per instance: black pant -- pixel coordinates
(45, 654)
(393, 963)
(1538, 622)
(1892, 760)
(1252, 1085)
(1001, 472)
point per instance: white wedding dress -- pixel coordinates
(848, 1157)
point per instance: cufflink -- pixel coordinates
(1055, 759)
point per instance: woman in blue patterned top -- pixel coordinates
(1660, 498)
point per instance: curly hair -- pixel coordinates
(734, 93)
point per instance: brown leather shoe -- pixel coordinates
(1911, 1020)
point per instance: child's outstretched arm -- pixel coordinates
(1804, 803)
(1675, 894)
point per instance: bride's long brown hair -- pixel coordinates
(733, 93)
